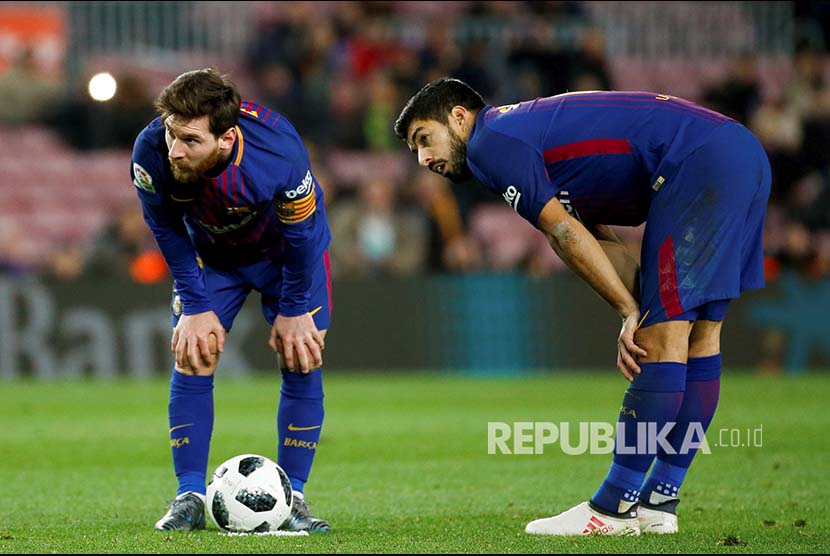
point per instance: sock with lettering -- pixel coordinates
(651, 401)
(191, 424)
(299, 421)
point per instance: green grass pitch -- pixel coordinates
(402, 466)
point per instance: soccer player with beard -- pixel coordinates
(576, 163)
(227, 189)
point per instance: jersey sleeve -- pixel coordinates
(298, 205)
(167, 225)
(147, 168)
(515, 170)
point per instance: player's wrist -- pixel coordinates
(628, 312)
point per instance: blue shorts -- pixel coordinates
(228, 289)
(704, 230)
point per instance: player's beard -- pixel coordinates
(460, 172)
(189, 174)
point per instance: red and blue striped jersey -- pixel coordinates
(265, 204)
(602, 154)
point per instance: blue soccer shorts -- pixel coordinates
(228, 289)
(704, 230)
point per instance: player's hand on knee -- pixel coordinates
(299, 342)
(627, 350)
(200, 368)
(197, 342)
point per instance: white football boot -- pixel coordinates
(659, 519)
(584, 520)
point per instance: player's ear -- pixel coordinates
(458, 114)
(226, 139)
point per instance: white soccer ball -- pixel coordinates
(249, 493)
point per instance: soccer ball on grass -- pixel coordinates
(249, 493)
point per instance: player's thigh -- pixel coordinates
(693, 333)
(704, 339)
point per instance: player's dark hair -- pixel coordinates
(435, 102)
(198, 93)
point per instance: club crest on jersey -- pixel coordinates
(239, 210)
(512, 196)
(143, 179)
(284, 210)
(228, 227)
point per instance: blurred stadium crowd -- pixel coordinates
(341, 72)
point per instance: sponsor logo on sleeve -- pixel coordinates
(565, 200)
(302, 204)
(512, 196)
(305, 187)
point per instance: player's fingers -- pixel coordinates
(318, 339)
(630, 364)
(622, 368)
(204, 349)
(174, 340)
(302, 355)
(316, 353)
(288, 354)
(628, 337)
(180, 352)
(220, 339)
(194, 356)
(281, 362)
(627, 360)
(632, 348)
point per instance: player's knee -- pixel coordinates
(664, 341)
(205, 370)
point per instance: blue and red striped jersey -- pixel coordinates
(602, 154)
(264, 204)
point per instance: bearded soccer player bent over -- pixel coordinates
(227, 189)
(576, 163)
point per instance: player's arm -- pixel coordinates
(517, 169)
(294, 334)
(191, 338)
(626, 265)
(578, 249)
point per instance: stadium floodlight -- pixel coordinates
(102, 86)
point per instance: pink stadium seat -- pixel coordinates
(58, 198)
